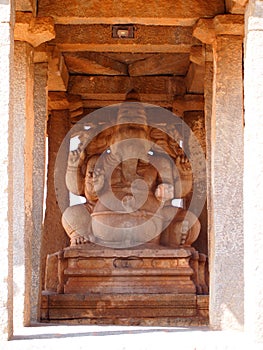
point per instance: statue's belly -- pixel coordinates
(118, 225)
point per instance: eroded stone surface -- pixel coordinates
(131, 11)
(33, 30)
(6, 66)
(253, 88)
(226, 308)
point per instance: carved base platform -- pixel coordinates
(98, 285)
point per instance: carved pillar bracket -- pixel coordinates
(236, 6)
(207, 29)
(33, 30)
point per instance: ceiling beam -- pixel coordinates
(150, 88)
(163, 12)
(94, 104)
(146, 39)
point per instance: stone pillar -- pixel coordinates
(225, 32)
(6, 69)
(253, 170)
(39, 158)
(29, 32)
(23, 128)
(208, 96)
(55, 238)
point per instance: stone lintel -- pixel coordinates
(33, 30)
(188, 102)
(207, 30)
(148, 38)
(150, 88)
(162, 12)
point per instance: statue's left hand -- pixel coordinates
(164, 192)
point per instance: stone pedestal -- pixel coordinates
(91, 284)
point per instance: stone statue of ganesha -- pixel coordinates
(130, 174)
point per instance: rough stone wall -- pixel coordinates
(6, 68)
(253, 170)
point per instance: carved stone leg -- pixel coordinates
(76, 221)
(194, 263)
(202, 273)
(183, 229)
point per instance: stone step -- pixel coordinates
(125, 308)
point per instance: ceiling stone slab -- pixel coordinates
(176, 64)
(128, 57)
(94, 63)
(181, 12)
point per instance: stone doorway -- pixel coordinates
(96, 80)
(40, 51)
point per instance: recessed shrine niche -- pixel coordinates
(135, 173)
(134, 248)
